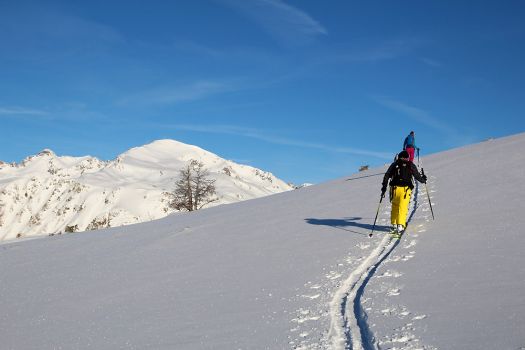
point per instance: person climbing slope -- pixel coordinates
(400, 173)
(409, 145)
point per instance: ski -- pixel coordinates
(395, 234)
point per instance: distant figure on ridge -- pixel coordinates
(401, 173)
(410, 145)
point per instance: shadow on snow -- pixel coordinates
(343, 224)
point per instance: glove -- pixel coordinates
(383, 190)
(424, 177)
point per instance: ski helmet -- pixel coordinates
(403, 155)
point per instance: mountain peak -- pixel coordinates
(165, 144)
(167, 150)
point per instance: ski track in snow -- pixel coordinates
(348, 320)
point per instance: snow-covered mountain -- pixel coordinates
(296, 270)
(47, 194)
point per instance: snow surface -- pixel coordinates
(46, 194)
(294, 270)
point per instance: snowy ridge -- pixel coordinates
(48, 194)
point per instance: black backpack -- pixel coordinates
(402, 175)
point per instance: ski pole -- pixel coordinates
(377, 213)
(428, 195)
(418, 157)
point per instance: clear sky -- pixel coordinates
(307, 89)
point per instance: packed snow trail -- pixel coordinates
(348, 326)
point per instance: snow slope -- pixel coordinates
(291, 270)
(51, 194)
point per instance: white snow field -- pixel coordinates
(294, 270)
(50, 194)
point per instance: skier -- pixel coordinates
(410, 145)
(401, 173)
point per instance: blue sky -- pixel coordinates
(307, 89)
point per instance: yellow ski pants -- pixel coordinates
(400, 202)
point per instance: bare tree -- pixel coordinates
(193, 189)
